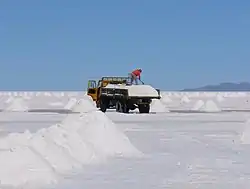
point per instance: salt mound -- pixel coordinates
(64, 150)
(34, 159)
(14, 139)
(245, 137)
(21, 165)
(47, 94)
(219, 98)
(99, 131)
(198, 105)
(84, 105)
(209, 106)
(185, 99)
(166, 99)
(18, 105)
(87, 97)
(9, 100)
(70, 119)
(72, 102)
(158, 106)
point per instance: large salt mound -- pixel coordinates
(104, 135)
(18, 105)
(64, 150)
(158, 106)
(33, 159)
(14, 139)
(20, 165)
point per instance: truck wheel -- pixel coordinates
(132, 107)
(103, 106)
(121, 107)
(125, 108)
(144, 108)
(97, 104)
(118, 106)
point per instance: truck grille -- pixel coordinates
(114, 92)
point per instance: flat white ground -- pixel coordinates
(181, 149)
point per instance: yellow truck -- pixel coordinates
(118, 93)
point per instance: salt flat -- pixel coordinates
(172, 147)
(195, 151)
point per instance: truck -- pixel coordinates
(119, 94)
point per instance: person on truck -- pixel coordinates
(135, 75)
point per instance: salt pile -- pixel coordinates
(245, 137)
(166, 99)
(20, 165)
(43, 157)
(198, 105)
(209, 106)
(71, 103)
(18, 105)
(185, 99)
(9, 100)
(219, 98)
(84, 105)
(14, 139)
(87, 97)
(157, 106)
(142, 90)
(56, 146)
(104, 136)
(47, 94)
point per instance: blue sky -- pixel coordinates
(59, 44)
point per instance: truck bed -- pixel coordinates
(136, 91)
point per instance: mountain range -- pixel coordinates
(243, 86)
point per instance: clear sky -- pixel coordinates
(60, 44)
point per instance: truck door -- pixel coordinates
(92, 90)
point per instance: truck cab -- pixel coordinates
(95, 87)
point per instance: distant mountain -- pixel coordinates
(243, 86)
